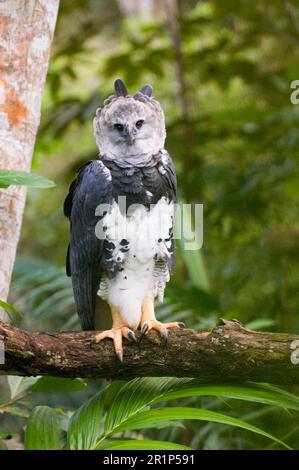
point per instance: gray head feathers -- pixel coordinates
(130, 126)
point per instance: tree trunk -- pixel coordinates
(26, 31)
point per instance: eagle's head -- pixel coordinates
(130, 128)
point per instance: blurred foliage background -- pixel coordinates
(222, 72)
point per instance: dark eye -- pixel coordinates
(139, 123)
(119, 127)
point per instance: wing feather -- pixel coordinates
(169, 179)
(169, 175)
(84, 258)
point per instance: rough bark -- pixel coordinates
(229, 352)
(26, 31)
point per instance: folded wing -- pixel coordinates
(91, 188)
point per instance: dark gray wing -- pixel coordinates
(168, 177)
(84, 257)
(168, 173)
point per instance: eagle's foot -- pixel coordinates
(117, 333)
(162, 328)
(149, 322)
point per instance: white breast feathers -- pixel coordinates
(142, 265)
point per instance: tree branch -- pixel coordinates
(229, 352)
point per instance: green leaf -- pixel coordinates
(142, 445)
(112, 391)
(135, 396)
(58, 385)
(258, 393)
(18, 385)
(164, 425)
(85, 424)
(12, 311)
(157, 415)
(20, 178)
(14, 410)
(42, 430)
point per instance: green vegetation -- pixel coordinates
(8, 177)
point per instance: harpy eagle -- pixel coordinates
(121, 210)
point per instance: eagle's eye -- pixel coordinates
(139, 123)
(119, 127)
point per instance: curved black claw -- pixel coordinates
(144, 330)
(132, 337)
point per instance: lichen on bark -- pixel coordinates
(26, 31)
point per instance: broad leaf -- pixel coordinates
(85, 424)
(258, 393)
(113, 390)
(135, 395)
(157, 415)
(19, 385)
(58, 385)
(14, 177)
(42, 430)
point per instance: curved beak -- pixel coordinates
(130, 135)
